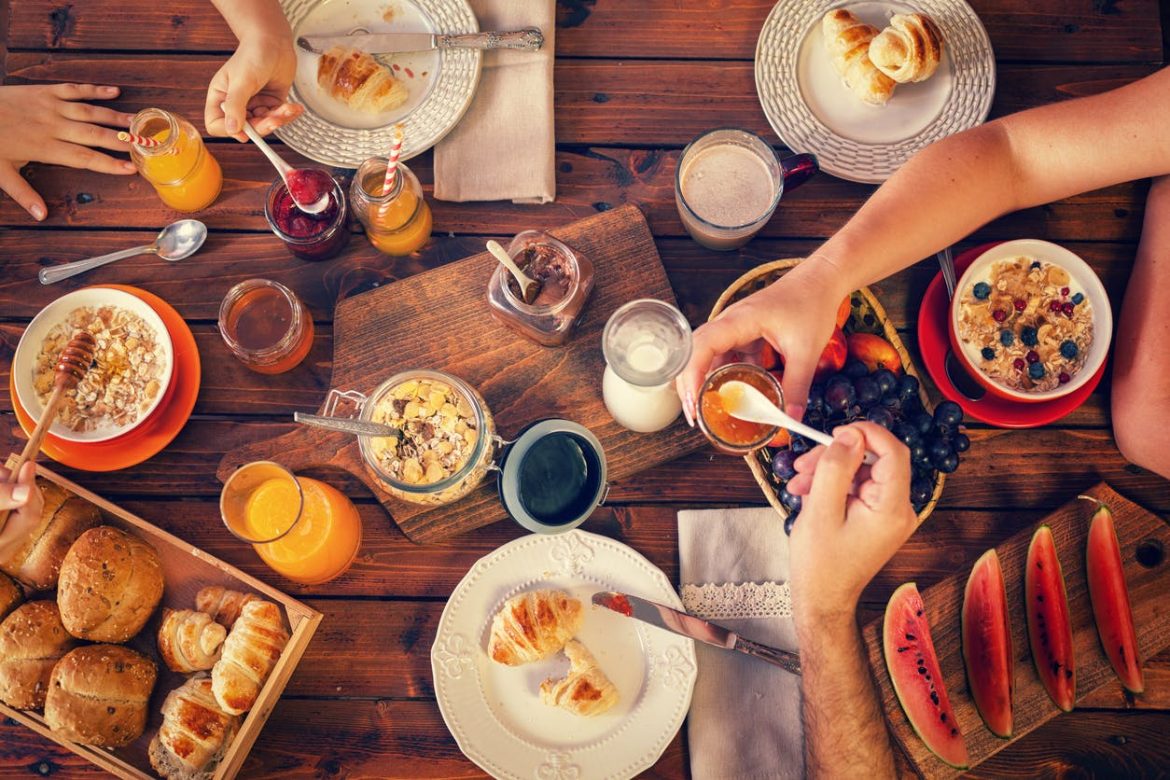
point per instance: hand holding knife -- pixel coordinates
(528, 39)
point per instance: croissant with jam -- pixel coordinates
(358, 80)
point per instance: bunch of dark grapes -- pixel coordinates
(935, 440)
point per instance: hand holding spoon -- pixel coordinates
(529, 287)
(304, 190)
(177, 241)
(745, 402)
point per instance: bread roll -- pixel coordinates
(909, 49)
(358, 80)
(533, 625)
(99, 695)
(189, 641)
(249, 653)
(585, 690)
(847, 41)
(63, 519)
(194, 734)
(222, 604)
(10, 595)
(32, 640)
(110, 584)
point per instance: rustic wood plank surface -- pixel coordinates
(634, 83)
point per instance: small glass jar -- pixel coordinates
(396, 222)
(176, 163)
(265, 326)
(646, 343)
(546, 321)
(727, 434)
(309, 236)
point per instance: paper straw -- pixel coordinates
(392, 161)
(139, 140)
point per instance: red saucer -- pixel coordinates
(158, 430)
(933, 344)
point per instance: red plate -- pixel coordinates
(163, 425)
(933, 344)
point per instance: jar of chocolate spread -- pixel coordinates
(564, 280)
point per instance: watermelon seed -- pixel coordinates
(1056, 667)
(922, 670)
(954, 732)
(903, 649)
(918, 613)
(1040, 597)
(910, 637)
(934, 697)
(943, 717)
(1068, 674)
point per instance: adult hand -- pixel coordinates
(853, 520)
(796, 315)
(46, 123)
(24, 498)
(253, 85)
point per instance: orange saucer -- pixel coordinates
(163, 425)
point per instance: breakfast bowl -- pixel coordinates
(132, 370)
(1030, 321)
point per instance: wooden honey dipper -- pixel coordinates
(72, 365)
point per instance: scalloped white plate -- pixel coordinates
(495, 712)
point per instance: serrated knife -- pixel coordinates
(687, 625)
(530, 39)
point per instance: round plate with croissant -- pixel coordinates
(353, 99)
(534, 681)
(865, 85)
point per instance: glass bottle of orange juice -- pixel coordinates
(303, 529)
(397, 222)
(170, 154)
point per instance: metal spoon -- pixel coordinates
(285, 170)
(744, 402)
(177, 241)
(960, 379)
(356, 427)
(529, 287)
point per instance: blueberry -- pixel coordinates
(1036, 370)
(1006, 337)
(1028, 336)
(982, 290)
(1078, 298)
(854, 369)
(948, 413)
(988, 353)
(908, 386)
(961, 442)
(1068, 349)
(1035, 265)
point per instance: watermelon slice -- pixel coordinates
(1049, 629)
(918, 682)
(987, 644)
(1110, 598)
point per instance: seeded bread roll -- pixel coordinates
(10, 595)
(110, 584)
(64, 518)
(99, 694)
(32, 640)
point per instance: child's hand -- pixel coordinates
(24, 498)
(253, 85)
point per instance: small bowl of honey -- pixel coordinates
(728, 434)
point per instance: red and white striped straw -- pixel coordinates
(139, 140)
(392, 161)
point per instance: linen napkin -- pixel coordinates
(504, 147)
(744, 721)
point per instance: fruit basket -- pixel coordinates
(866, 315)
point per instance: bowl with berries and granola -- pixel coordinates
(1030, 321)
(132, 368)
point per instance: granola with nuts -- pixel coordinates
(126, 375)
(439, 431)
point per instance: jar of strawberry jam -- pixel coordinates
(309, 236)
(728, 434)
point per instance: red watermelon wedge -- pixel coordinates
(987, 644)
(1049, 629)
(1110, 597)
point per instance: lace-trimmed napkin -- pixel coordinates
(745, 715)
(504, 147)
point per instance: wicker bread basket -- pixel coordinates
(867, 316)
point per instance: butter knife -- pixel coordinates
(529, 39)
(696, 628)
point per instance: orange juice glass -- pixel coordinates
(182, 171)
(397, 222)
(303, 529)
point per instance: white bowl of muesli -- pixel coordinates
(132, 367)
(1031, 321)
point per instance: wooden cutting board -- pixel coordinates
(439, 320)
(1145, 542)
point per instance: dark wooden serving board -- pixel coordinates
(1149, 591)
(439, 320)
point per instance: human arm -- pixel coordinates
(24, 499)
(254, 82)
(48, 123)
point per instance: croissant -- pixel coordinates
(847, 40)
(358, 80)
(249, 653)
(194, 734)
(189, 641)
(909, 49)
(585, 690)
(222, 604)
(533, 625)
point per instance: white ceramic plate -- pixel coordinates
(811, 110)
(441, 84)
(24, 361)
(495, 712)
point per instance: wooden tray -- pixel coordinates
(439, 320)
(186, 569)
(1148, 586)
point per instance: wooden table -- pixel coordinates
(634, 83)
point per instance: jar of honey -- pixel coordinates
(265, 326)
(397, 222)
(728, 434)
(174, 160)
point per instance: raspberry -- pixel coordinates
(1064, 378)
(1020, 305)
(1064, 291)
(1054, 306)
(1019, 364)
(1032, 356)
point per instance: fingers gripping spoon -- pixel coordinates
(304, 190)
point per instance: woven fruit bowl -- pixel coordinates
(866, 316)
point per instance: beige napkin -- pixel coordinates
(504, 147)
(744, 721)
